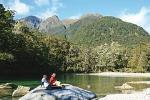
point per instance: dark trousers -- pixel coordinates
(49, 87)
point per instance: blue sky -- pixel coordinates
(134, 11)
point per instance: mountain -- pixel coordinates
(30, 21)
(52, 25)
(83, 21)
(87, 18)
(93, 31)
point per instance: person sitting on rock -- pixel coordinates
(43, 80)
(45, 83)
(53, 81)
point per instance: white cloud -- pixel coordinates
(42, 2)
(48, 13)
(75, 16)
(56, 4)
(140, 18)
(20, 7)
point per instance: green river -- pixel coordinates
(98, 84)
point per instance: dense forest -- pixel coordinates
(107, 30)
(103, 44)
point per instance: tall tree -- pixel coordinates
(6, 26)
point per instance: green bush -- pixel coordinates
(6, 57)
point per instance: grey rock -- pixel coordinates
(69, 92)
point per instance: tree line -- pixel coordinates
(25, 51)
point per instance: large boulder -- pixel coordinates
(7, 89)
(20, 91)
(69, 92)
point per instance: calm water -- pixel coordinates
(98, 84)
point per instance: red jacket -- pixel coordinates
(52, 80)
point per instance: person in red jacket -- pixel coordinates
(53, 80)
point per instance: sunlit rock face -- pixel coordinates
(51, 25)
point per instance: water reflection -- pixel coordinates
(100, 85)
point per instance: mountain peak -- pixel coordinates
(97, 31)
(30, 18)
(53, 20)
(51, 25)
(31, 21)
(55, 16)
(91, 15)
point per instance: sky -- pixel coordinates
(133, 11)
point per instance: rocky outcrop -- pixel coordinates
(145, 95)
(124, 87)
(8, 86)
(129, 93)
(7, 89)
(69, 92)
(20, 91)
(10, 89)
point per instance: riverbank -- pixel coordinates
(144, 95)
(98, 84)
(119, 74)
